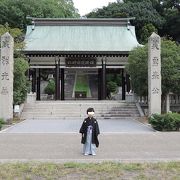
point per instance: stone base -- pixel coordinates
(31, 98)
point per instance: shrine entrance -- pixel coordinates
(76, 83)
(79, 58)
(81, 84)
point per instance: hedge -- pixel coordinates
(1, 123)
(165, 122)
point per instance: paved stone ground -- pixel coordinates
(73, 126)
(64, 147)
(59, 141)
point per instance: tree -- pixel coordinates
(163, 15)
(17, 34)
(20, 81)
(50, 88)
(171, 4)
(15, 12)
(171, 13)
(142, 10)
(146, 31)
(170, 70)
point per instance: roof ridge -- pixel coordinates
(81, 22)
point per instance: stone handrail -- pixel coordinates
(173, 98)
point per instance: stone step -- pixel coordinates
(74, 109)
(75, 117)
(81, 104)
(30, 116)
(79, 109)
(83, 114)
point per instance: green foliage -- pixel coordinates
(113, 81)
(82, 84)
(115, 78)
(1, 122)
(164, 15)
(50, 88)
(20, 81)
(166, 122)
(144, 12)
(138, 69)
(146, 32)
(170, 70)
(111, 86)
(17, 34)
(15, 12)
(170, 10)
(105, 170)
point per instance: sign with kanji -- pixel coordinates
(154, 74)
(80, 62)
(6, 77)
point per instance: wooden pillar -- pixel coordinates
(38, 74)
(62, 84)
(123, 86)
(34, 80)
(57, 81)
(103, 90)
(29, 71)
(128, 85)
(99, 84)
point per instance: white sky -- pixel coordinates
(86, 6)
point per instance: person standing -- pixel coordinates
(90, 132)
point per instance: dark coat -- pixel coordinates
(83, 130)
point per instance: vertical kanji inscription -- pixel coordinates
(154, 74)
(6, 77)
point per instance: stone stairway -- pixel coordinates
(69, 84)
(77, 109)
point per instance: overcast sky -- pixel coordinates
(86, 6)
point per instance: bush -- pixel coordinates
(165, 122)
(20, 81)
(50, 88)
(1, 123)
(112, 86)
(115, 78)
(177, 120)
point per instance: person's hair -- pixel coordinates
(90, 110)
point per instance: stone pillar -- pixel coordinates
(154, 74)
(62, 84)
(6, 77)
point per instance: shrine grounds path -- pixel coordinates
(121, 143)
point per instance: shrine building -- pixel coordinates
(77, 55)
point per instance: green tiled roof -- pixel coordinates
(80, 38)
